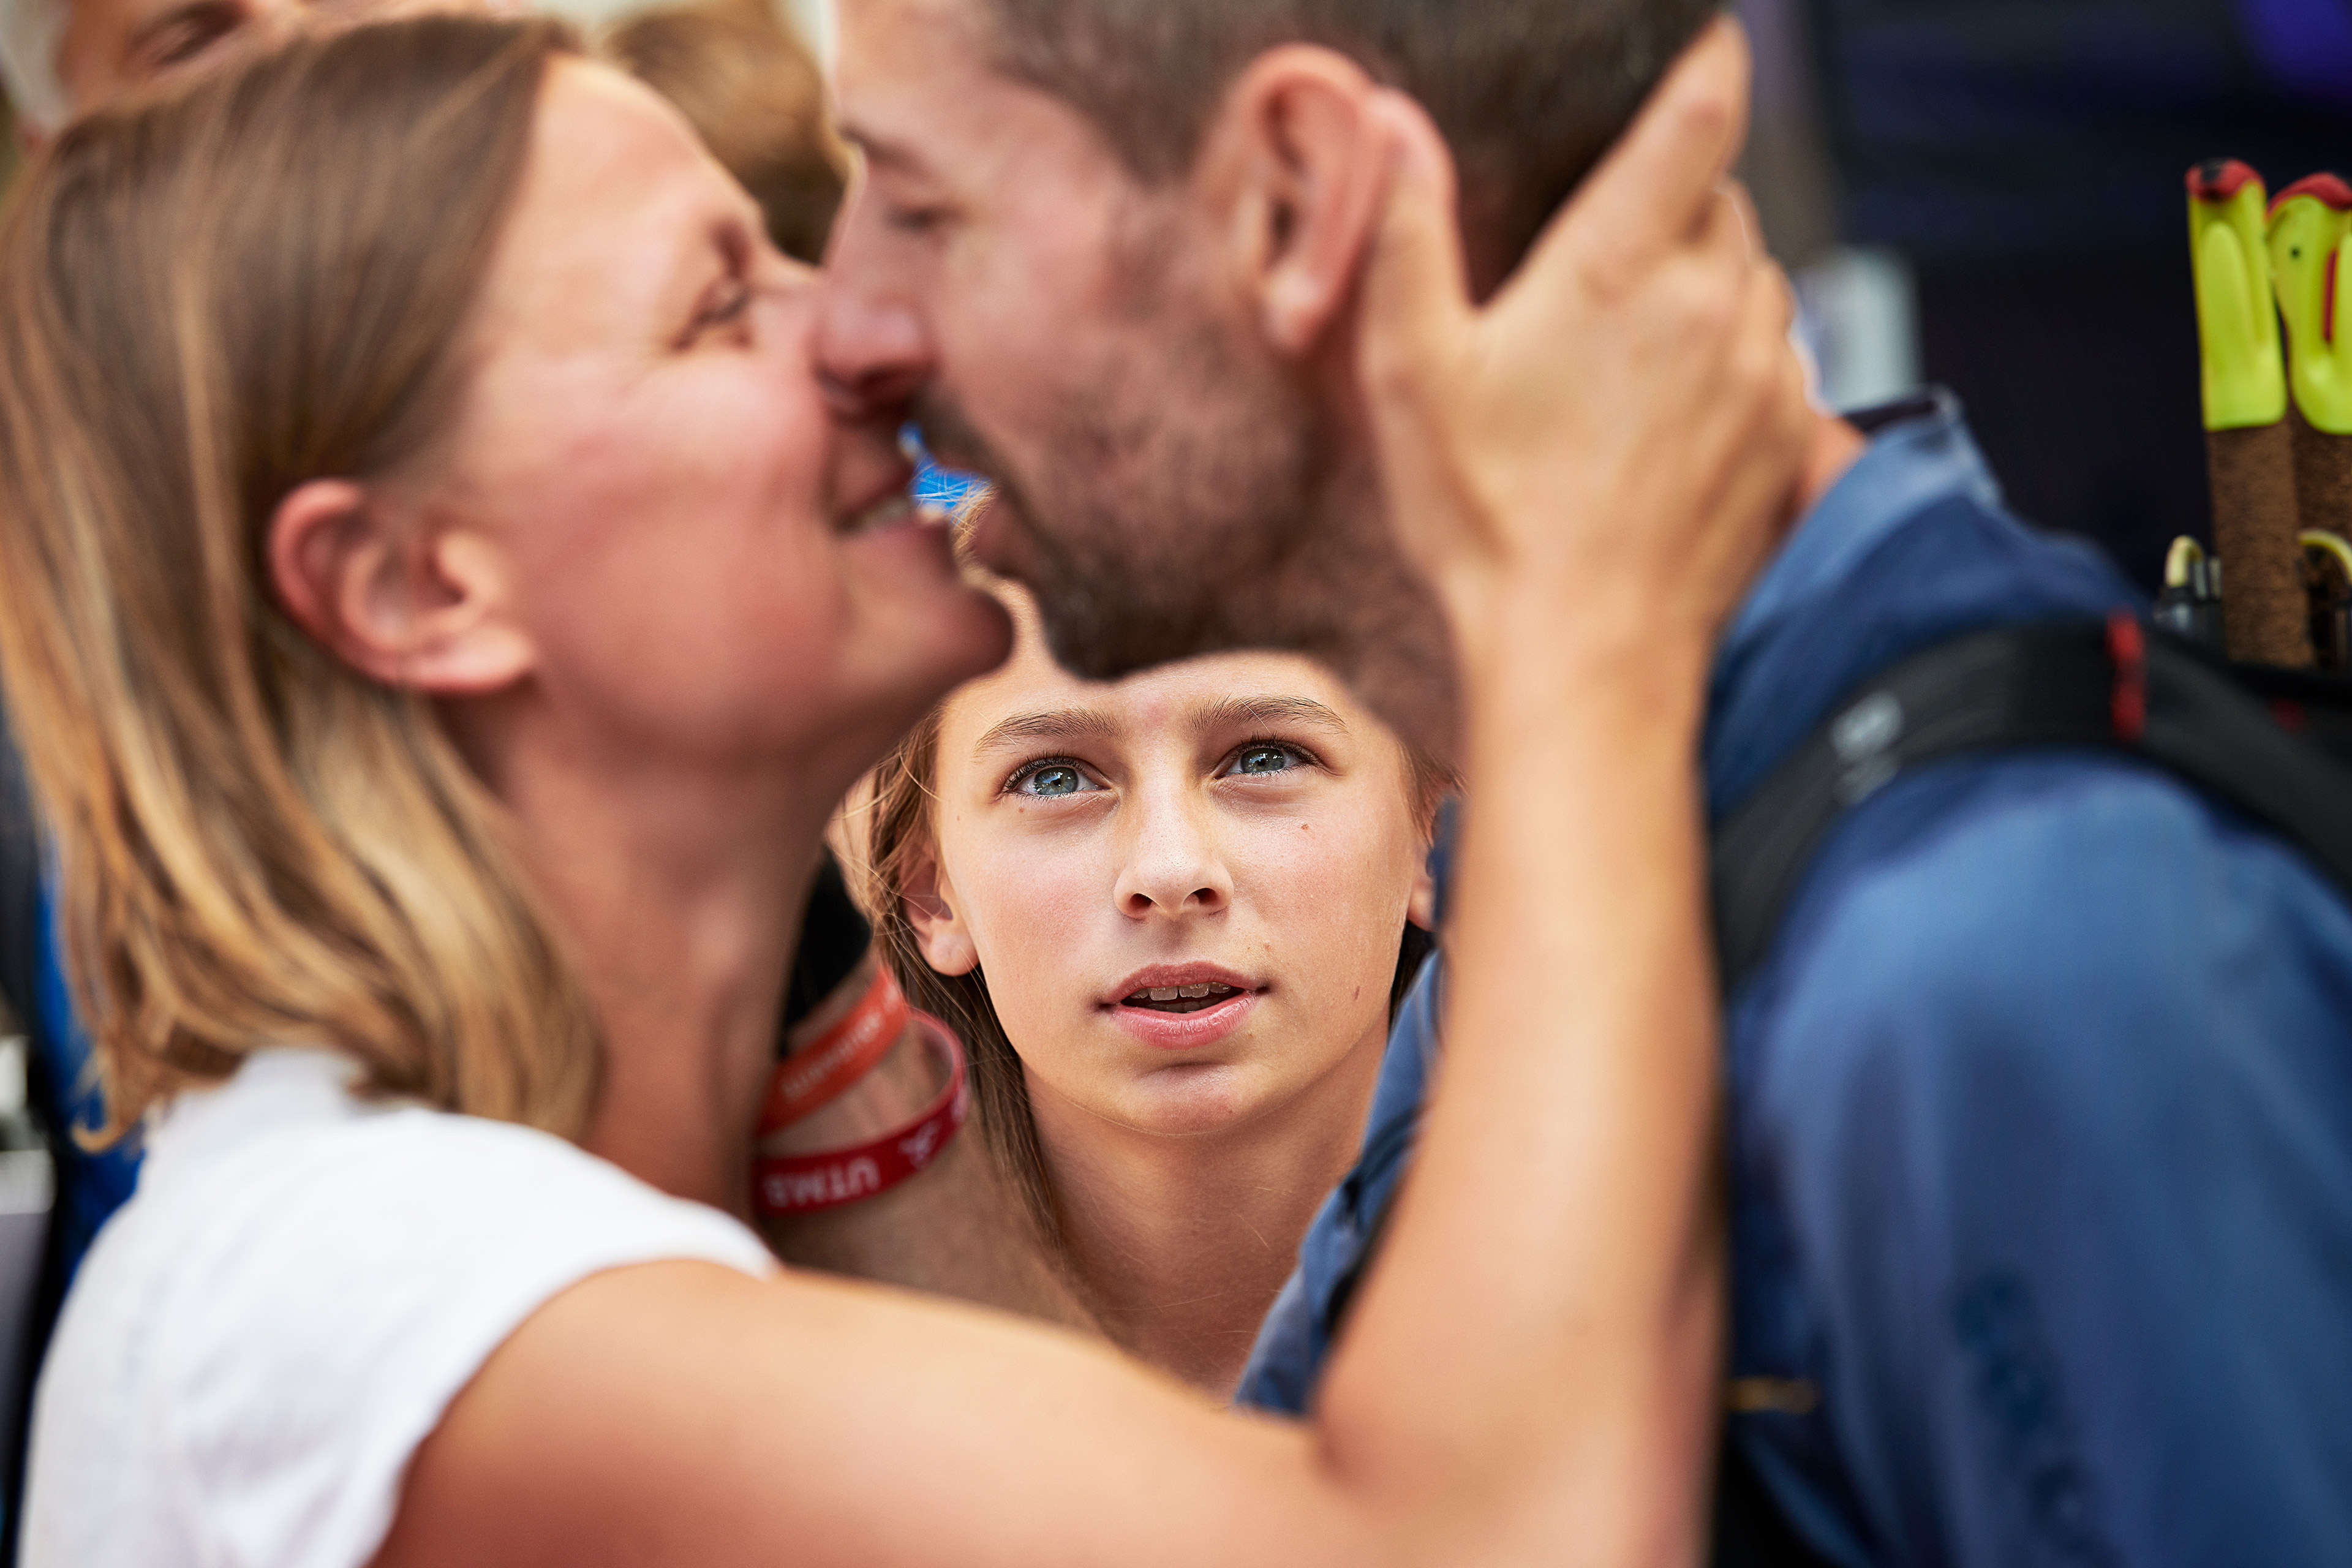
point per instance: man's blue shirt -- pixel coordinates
(2040, 1108)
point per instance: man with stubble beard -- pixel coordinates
(2039, 1124)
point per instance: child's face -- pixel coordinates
(1107, 854)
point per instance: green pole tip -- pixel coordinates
(2238, 329)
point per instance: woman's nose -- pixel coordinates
(1174, 866)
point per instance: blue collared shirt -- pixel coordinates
(2040, 1108)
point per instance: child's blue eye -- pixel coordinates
(1053, 779)
(1265, 759)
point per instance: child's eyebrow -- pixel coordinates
(1242, 712)
(1056, 724)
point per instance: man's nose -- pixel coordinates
(873, 350)
(1175, 865)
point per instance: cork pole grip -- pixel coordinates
(2323, 478)
(2264, 613)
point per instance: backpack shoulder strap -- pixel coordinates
(2116, 686)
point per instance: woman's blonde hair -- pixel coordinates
(207, 299)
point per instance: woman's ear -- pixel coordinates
(1305, 170)
(410, 605)
(929, 899)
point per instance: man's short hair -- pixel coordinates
(1529, 93)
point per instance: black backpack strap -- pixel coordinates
(2117, 686)
(1750, 1529)
(21, 914)
(20, 887)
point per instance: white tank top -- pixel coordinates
(260, 1339)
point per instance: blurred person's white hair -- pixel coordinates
(30, 32)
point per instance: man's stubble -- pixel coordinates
(1163, 495)
(1181, 491)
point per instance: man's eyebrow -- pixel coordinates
(1248, 712)
(896, 156)
(1061, 724)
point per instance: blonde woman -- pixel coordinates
(441, 611)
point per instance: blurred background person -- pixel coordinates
(58, 58)
(1988, 194)
(754, 92)
(1172, 917)
(63, 56)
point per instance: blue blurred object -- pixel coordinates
(947, 489)
(90, 1184)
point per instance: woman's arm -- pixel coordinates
(1529, 1376)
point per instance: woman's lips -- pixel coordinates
(1186, 1031)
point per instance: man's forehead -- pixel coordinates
(920, 96)
(879, 41)
(900, 63)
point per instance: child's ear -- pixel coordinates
(929, 899)
(1420, 907)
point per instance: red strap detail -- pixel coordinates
(810, 1184)
(2221, 179)
(2128, 646)
(821, 1069)
(2328, 188)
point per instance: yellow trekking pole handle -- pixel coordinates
(2183, 562)
(2238, 330)
(2333, 544)
(2308, 225)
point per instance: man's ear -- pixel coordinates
(419, 607)
(1305, 162)
(929, 900)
